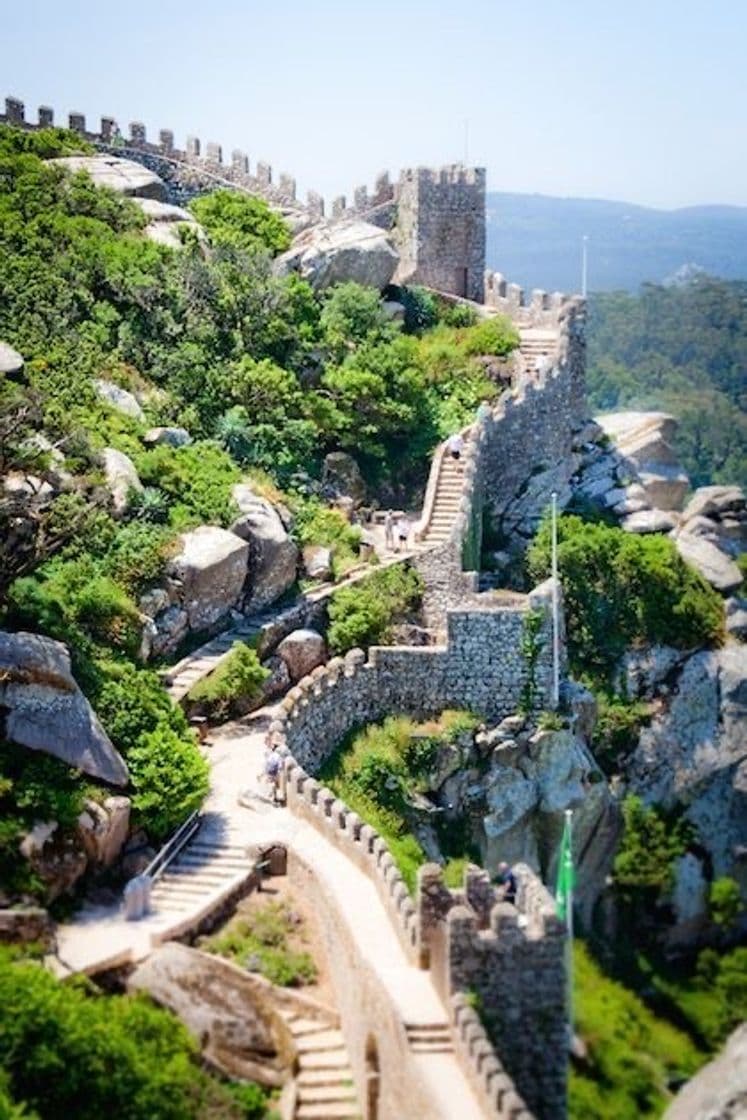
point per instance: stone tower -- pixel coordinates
(441, 229)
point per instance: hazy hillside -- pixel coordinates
(535, 240)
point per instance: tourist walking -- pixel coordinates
(455, 445)
(273, 770)
(389, 530)
(403, 534)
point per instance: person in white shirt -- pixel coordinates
(455, 445)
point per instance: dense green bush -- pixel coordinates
(724, 900)
(649, 846)
(621, 589)
(316, 524)
(170, 778)
(497, 336)
(363, 615)
(237, 680)
(66, 1051)
(197, 481)
(617, 727)
(243, 221)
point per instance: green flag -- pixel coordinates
(564, 886)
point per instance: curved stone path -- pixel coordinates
(99, 937)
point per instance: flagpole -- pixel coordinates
(555, 627)
(569, 927)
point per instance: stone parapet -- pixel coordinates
(511, 957)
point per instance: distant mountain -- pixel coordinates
(535, 241)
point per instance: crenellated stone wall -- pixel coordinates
(482, 668)
(512, 959)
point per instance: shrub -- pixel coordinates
(316, 524)
(724, 901)
(496, 336)
(363, 615)
(243, 221)
(66, 1051)
(196, 479)
(138, 554)
(170, 778)
(618, 726)
(621, 589)
(649, 846)
(237, 679)
(257, 939)
(421, 308)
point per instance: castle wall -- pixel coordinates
(440, 232)
(482, 668)
(367, 1009)
(512, 958)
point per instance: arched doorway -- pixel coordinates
(373, 1079)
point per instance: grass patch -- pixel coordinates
(377, 770)
(258, 939)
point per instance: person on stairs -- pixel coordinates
(507, 880)
(389, 530)
(455, 446)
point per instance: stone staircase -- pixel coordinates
(207, 867)
(537, 345)
(429, 1038)
(326, 1090)
(447, 498)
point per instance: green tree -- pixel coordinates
(243, 221)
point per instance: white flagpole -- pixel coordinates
(569, 928)
(555, 629)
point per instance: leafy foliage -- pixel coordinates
(633, 1056)
(239, 220)
(68, 1051)
(724, 900)
(650, 844)
(376, 771)
(239, 678)
(363, 615)
(257, 938)
(683, 349)
(620, 589)
(316, 524)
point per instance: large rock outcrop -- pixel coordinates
(332, 253)
(229, 1012)
(11, 362)
(118, 398)
(719, 1090)
(273, 557)
(694, 753)
(121, 478)
(42, 707)
(211, 566)
(166, 222)
(121, 175)
(644, 439)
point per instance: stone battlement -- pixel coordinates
(538, 309)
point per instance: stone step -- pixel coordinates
(324, 1059)
(322, 1077)
(306, 1026)
(329, 1111)
(196, 860)
(432, 1048)
(320, 1041)
(315, 1094)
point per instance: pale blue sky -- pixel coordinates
(644, 101)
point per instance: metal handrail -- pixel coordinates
(173, 846)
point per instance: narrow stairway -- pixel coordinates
(446, 502)
(325, 1080)
(429, 1038)
(206, 867)
(537, 346)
